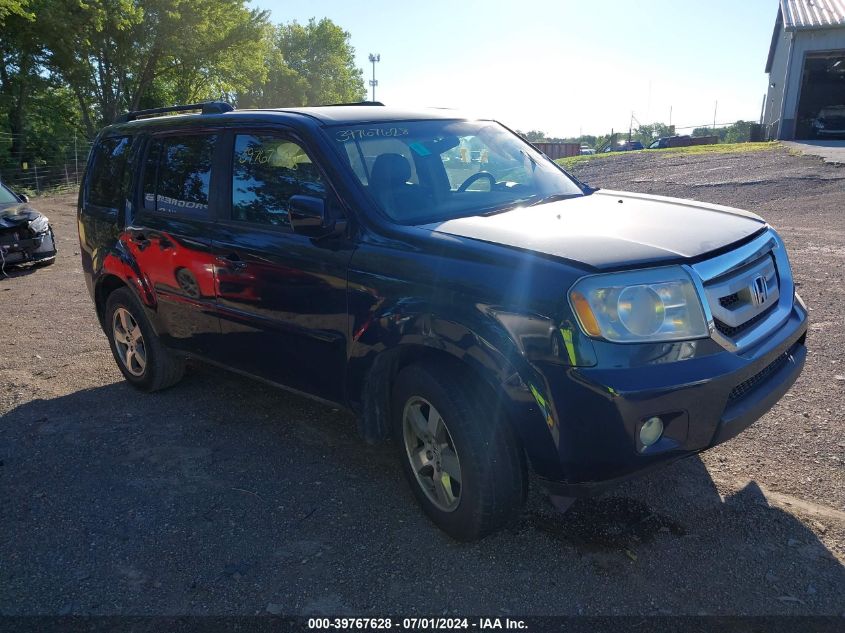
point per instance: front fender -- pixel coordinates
(396, 335)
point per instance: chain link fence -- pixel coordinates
(33, 175)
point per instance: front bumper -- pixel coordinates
(703, 400)
(20, 251)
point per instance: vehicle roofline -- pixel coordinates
(273, 115)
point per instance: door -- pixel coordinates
(170, 239)
(281, 296)
(105, 193)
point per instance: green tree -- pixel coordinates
(74, 65)
(113, 53)
(21, 75)
(311, 64)
(650, 132)
(14, 7)
(282, 85)
(533, 136)
(585, 139)
(739, 132)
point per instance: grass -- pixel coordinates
(720, 148)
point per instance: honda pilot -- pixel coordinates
(446, 282)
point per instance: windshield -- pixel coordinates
(427, 171)
(6, 196)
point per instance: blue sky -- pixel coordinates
(561, 66)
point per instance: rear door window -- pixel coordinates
(177, 175)
(108, 179)
(266, 171)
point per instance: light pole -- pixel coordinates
(373, 82)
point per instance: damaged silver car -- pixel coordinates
(25, 234)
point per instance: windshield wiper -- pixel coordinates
(554, 197)
(496, 210)
(521, 202)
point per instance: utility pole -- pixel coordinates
(715, 109)
(373, 82)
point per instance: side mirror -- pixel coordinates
(307, 214)
(23, 197)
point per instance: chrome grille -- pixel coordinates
(730, 331)
(732, 299)
(740, 295)
(748, 291)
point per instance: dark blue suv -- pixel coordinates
(446, 282)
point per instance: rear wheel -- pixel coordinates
(144, 361)
(463, 461)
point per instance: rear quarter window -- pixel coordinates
(108, 177)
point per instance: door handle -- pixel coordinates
(140, 239)
(233, 261)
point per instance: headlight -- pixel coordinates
(653, 305)
(39, 224)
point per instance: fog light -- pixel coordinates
(650, 431)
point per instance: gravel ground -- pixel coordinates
(224, 496)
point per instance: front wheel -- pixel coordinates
(462, 459)
(144, 361)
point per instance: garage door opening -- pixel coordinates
(821, 108)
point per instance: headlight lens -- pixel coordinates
(653, 305)
(39, 224)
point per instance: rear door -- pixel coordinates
(281, 296)
(170, 237)
(103, 198)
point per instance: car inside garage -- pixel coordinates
(821, 106)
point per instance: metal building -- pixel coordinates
(806, 67)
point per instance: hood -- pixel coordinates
(609, 229)
(16, 214)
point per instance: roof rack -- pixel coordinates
(207, 107)
(354, 103)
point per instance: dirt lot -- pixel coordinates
(225, 496)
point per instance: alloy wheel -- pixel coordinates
(431, 453)
(129, 342)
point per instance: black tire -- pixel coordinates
(162, 368)
(47, 261)
(493, 483)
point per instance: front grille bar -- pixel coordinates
(736, 324)
(747, 386)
